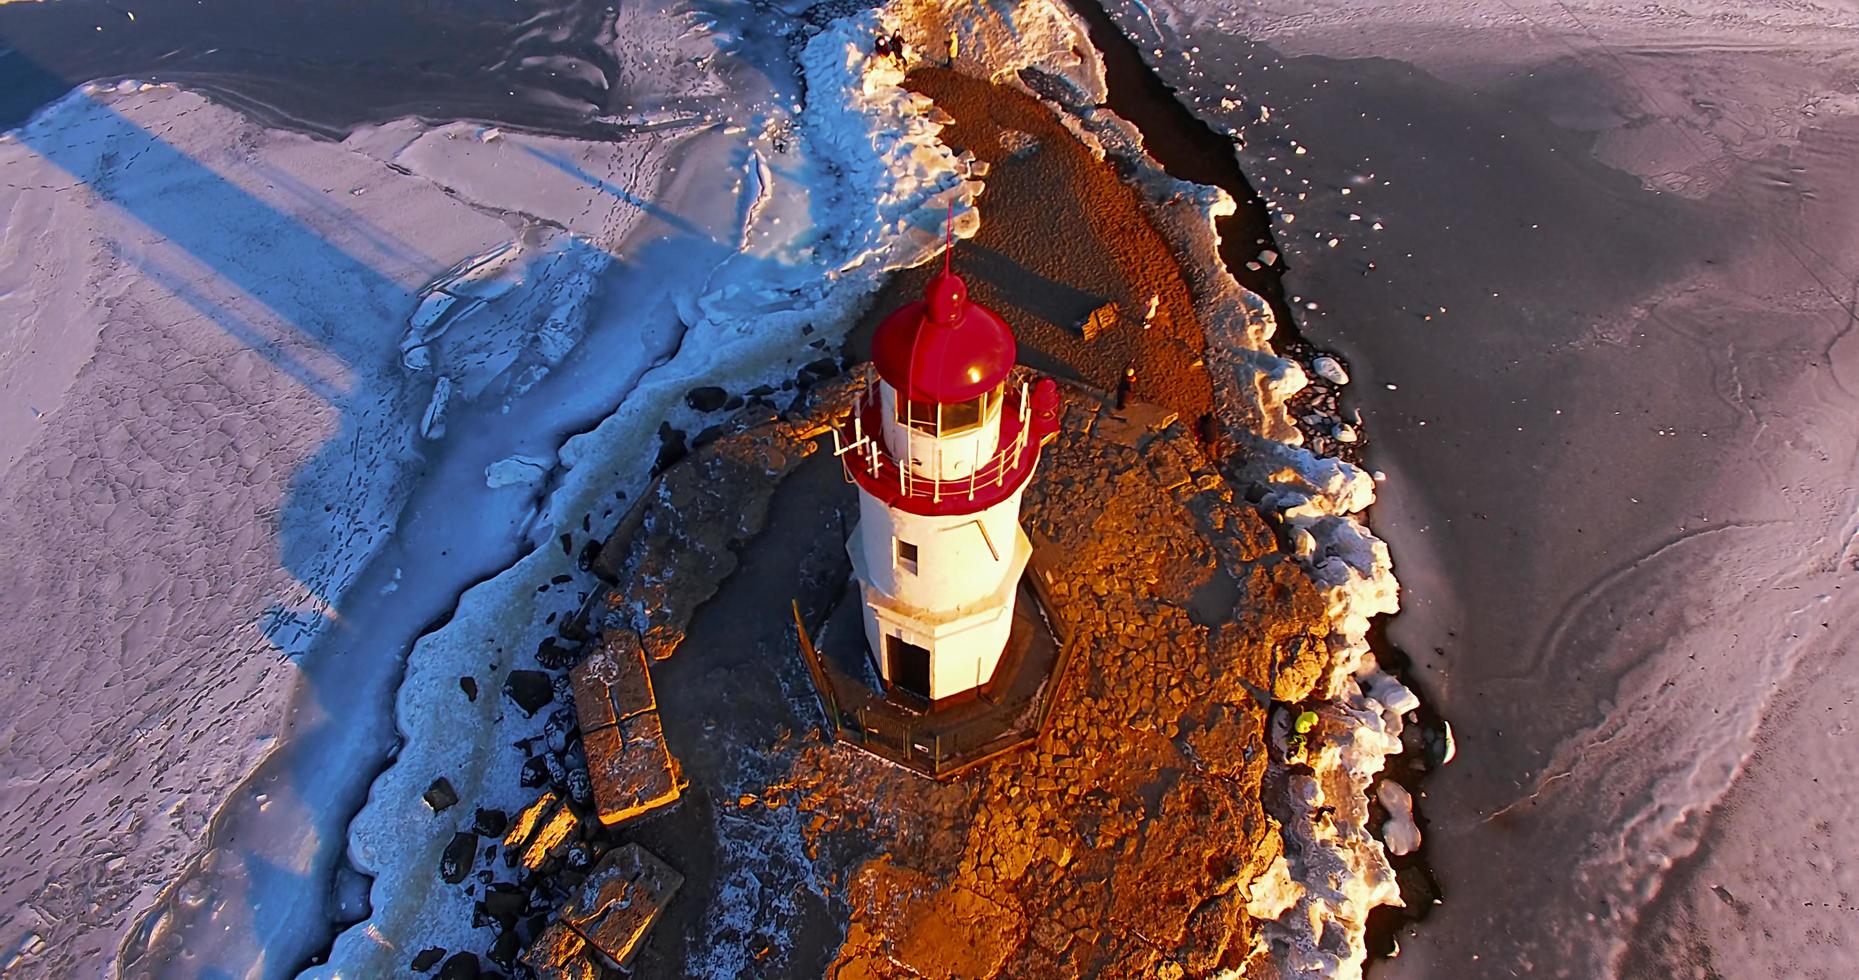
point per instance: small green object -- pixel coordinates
(1305, 722)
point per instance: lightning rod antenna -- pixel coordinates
(948, 237)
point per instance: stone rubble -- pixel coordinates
(631, 770)
(609, 914)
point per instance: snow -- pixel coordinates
(1398, 831)
(1274, 892)
(224, 449)
(517, 471)
(794, 241)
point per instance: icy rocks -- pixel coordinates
(491, 823)
(1330, 369)
(516, 471)
(553, 654)
(1440, 745)
(440, 796)
(530, 689)
(462, 966)
(1399, 831)
(621, 900)
(609, 914)
(455, 863)
(542, 827)
(628, 763)
(708, 398)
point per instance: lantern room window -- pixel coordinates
(955, 418)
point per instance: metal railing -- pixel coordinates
(869, 452)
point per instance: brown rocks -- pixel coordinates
(538, 830)
(620, 900)
(608, 915)
(1098, 321)
(680, 541)
(1125, 843)
(631, 768)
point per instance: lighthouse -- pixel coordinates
(941, 445)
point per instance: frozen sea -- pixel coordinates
(292, 366)
(1595, 269)
(1592, 265)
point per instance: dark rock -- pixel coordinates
(506, 949)
(580, 786)
(530, 689)
(535, 772)
(553, 654)
(462, 966)
(671, 446)
(585, 562)
(428, 958)
(814, 372)
(706, 399)
(563, 689)
(505, 903)
(1418, 888)
(456, 862)
(492, 823)
(469, 685)
(558, 770)
(440, 795)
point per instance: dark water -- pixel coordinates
(325, 66)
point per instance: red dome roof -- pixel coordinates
(943, 348)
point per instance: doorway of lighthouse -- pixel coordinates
(910, 667)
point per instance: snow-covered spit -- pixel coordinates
(275, 402)
(1592, 265)
(1338, 869)
(278, 403)
(838, 187)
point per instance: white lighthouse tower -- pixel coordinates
(942, 445)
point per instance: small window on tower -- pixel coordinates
(907, 556)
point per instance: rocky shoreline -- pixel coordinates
(1137, 812)
(1217, 585)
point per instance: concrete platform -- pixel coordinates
(1005, 713)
